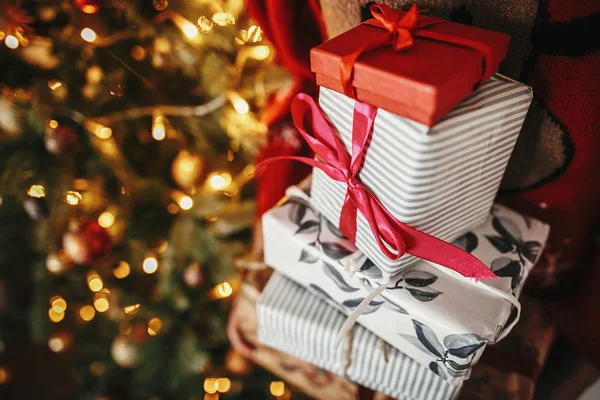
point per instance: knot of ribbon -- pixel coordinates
(392, 236)
(400, 32)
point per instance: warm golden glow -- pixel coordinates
(254, 34)
(88, 35)
(223, 19)
(224, 290)
(240, 105)
(72, 198)
(277, 388)
(36, 191)
(94, 74)
(173, 208)
(94, 281)
(122, 270)
(205, 24)
(220, 180)
(162, 247)
(54, 316)
(154, 326)
(11, 42)
(59, 342)
(186, 202)
(106, 219)
(87, 313)
(132, 309)
(4, 375)
(101, 302)
(189, 29)
(150, 265)
(125, 328)
(58, 304)
(223, 385)
(53, 124)
(261, 52)
(138, 53)
(103, 132)
(210, 385)
(54, 84)
(159, 131)
(97, 368)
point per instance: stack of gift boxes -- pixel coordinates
(412, 133)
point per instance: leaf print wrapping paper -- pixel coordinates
(295, 321)
(432, 314)
(440, 180)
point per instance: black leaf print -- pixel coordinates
(371, 308)
(422, 295)
(500, 244)
(427, 336)
(513, 314)
(458, 374)
(297, 201)
(468, 242)
(466, 351)
(370, 270)
(320, 292)
(335, 250)
(415, 342)
(507, 229)
(435, 368)
(531, 250)
(337, 278)
(395, 307)
(334, 229)
(307, 227)
(458, 367)
(309, 254)
(463, 345)
(298, 208)
(419, 278)
(505, 267)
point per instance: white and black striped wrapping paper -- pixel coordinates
(441, 180)
(293, 320)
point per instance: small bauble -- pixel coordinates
(58, 263)
(236, 363)
(60, 140)
(187, 169)
(88, 6)
(36, 207)
(160, 4)
(87, 242)
(125, 352)
(192, 275)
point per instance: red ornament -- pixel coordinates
(87, 243)
(87, 6)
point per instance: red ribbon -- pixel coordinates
(399, 31)
(393, 237)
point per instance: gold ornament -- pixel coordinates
(58, 263)
(125, 352)
(187, 169)
(160, 4)
(117, 91)
(192, 275)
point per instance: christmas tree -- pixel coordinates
(127, 134)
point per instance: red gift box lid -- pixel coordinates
(422, 83)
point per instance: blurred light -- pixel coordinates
(72, 198)
(132, 309)
(58, 304)
(138, 53)
(11, 42)
(223, 19)
(211, 396)
(125, 328)
(122, 270)
(94, 281)
(97, 368)
(223, 385)
(224, 290)
(103, 132)
(158, 128)
(101, 302)
(173, 208)
(240, 105)
(154, 326)
(54, 84)
(36, 191)
(249, 170)
(94, 74)
(254, 34)
(4, 375)
(150, 265)
(162, 247)
(59, 342)
(205, 24)
(186, 203)
(261, 52)
(189, 29)
(277, 388)
(210, 385)
(87, 313)
(88, 35)
(53, 124)
(106, 219)
(54, 316)
(219, 180)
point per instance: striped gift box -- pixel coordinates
(294, 321)
(441, 180)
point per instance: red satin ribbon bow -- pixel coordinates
(399, 31)
(393, 237)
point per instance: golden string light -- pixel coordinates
(53, 124)
(54, 84)
(240, 105)
(97, 368)
(150, 265)
(55, 316)
(36, 191)
(11, 42)
(73, 198)
(88, 35)
(223, 19)
(122, 270)
(223, 290)
(58, 304)
(59, 342)
(223, 385)
(87, 313)
(261, 52)
(4, 375)
(277, 388)
(94, 281)
(101, 303)
(188, 29)
(101, 131)
(205, 24)
(154, 326)
(132, 309)
(106, 219)
(159, 131)
(219, 180)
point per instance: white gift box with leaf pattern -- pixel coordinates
(428, 312)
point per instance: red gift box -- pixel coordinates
(424, 80)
